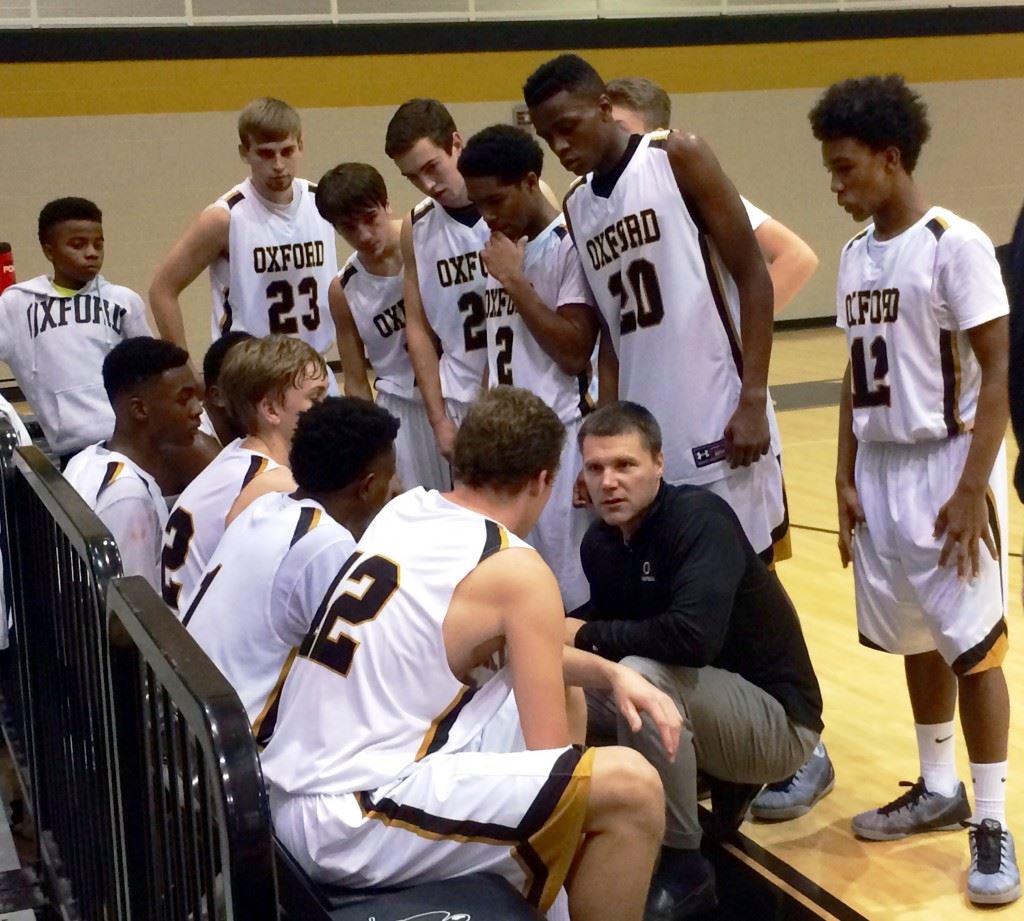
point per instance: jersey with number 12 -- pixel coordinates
(906, 304)
(670, 305)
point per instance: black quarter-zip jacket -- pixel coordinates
(689, 590)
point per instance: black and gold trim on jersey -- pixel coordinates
(781, 547)
(989, 653)
(949, 359)
(229, 316)
(204, 587)
(495, 539)
(659, 138)
(997, 536)
(718, 295)
(234, 198)
(420, 211)
(264, 724)
(577, 183)
(855, 238)
(312, 187)
(560, 231)
(309, 518)
(257, 464)
(113, 471)
(553, 821)
(436, 737)
(347, 275)
(938, 226)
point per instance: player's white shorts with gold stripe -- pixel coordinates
(906, 603)
(417, 460)
(758, 497)
(516, 813)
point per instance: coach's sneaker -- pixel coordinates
(993, 878)
(796, 795)
(915, 811)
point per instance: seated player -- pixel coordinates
(541, 322)
(280, 557)
(266, 383)
(640, 106)
(55, 332)
(369, 315)
(921, 467)
(156, 407)
(388, 768)
(679, 595)
(217, 422)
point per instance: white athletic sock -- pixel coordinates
(936, 747)
(989, 791)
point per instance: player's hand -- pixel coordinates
(964, 522)
(502, 258)
(747, 436)
(444, 433)
(850, 515)
(634, 695)
(580, 493)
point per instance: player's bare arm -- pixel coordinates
(633, 694)
(422, 344)
(705, 186)
(277, 480)
(514, 594)
(566, 334)
(198, 247)
(964, 519)
(791, 262)
(351, 350)
(850, 511)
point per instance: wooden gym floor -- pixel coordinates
(869, 727)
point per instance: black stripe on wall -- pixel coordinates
(150, 43)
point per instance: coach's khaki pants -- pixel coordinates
(732, 730)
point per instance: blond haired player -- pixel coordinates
(271, 256)
(266, 383)
(388, 767)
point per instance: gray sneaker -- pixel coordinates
(993, 878)
(915, 811)
(795, 796)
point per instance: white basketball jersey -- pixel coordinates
(906, 305)
(670, 305)
(256, 598)
(514, 357)
(196, 524)
(281, 261)
(452, 279)
(371, 691)
(55, 345)
(378, 310)
(127, 499)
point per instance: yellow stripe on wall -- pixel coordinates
(124, 87)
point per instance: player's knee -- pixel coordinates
(625, 784)
(654, 672)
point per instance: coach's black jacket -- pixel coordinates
(690, 590)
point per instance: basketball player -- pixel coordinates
(73, 320)
(677, 593)
(271, 256)
(369, 315)
(156, 406)
(266, 384)
(541, 321)
(640, 106)
(921, 473)
(278, 560)
(676, 272)
(216, 421)
(387, 768)
(444, 278)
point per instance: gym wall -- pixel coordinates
(143, 121)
